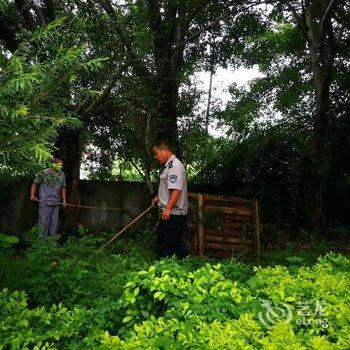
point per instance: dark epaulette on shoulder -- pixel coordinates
(170, 165)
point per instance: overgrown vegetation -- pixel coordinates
(76, 295)
(101, 80)
(125, 71)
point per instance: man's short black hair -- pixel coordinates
(57, 157)
(165, 144)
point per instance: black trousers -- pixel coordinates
(169, 236)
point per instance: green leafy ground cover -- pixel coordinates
(74, 295)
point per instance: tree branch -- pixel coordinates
(144, 176)
(155, 18)
(326, 16)
(195, 12)
(325, 24)
(95, 104)
(300, 19)
(140, 69)
(198, 33)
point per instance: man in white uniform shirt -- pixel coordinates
(172, 202)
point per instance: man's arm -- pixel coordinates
(174, 196)
(64, 196)
(33, 191)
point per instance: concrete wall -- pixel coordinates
(18, 214)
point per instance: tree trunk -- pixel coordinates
(167, 112)
(69, 147)
(168, 31)
(320, 130)
(322, 58)
(207, 114)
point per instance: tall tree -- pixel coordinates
(322, 23)
(177, 30)
(303, 54)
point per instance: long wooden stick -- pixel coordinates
(127, 226)
(84, 206)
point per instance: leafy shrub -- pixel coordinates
(6, 241)
(118, 300)
(38, 328)
(77, 272)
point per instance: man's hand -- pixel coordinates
(166, 214)
(34, 199)
(64, 204)
(155, 201)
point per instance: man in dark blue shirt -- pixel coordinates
(52, 188)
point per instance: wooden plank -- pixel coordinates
(225, 233)
(200, 225)
(240, 226)
(256, 223)
(228, 210)
(224, 198)
(229, 247)
(220, 246)
(237, 217)
(194, 229)
(218, 253)
(228, 203)
(225, 253)
(237, 240)
(222, 225)
(195, 238)
(232, 248)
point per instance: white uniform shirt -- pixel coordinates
(173, 177)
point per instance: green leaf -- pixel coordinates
(127, 319)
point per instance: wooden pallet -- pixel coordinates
(222, 226)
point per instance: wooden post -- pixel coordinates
(256, 229)
(200, 226)
(193, 222)
(195, 232)
(243, 239)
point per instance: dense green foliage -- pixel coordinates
(37, 93)
(275, 153)
(76, 295)
(122, 71)
(284, 137)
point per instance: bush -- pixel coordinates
(116, 300)
(77, 272)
